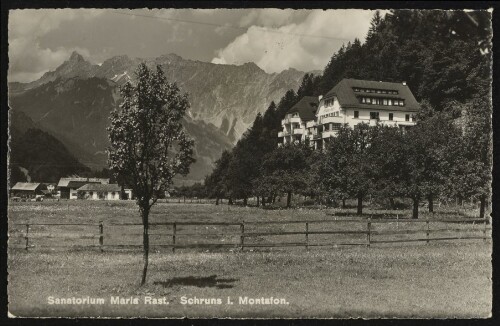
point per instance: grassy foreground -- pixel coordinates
(439, 279)
(436, 280)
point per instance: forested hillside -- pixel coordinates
(444, 56)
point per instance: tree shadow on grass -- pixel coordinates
(201, 282)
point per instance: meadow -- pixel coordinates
(436, 279)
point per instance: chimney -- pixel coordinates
(320, 97)
(404, 83)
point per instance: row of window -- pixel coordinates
(376, 116)
(329, 102)
(377, 91)
(332, 126)
(331, 114)
(382, 101)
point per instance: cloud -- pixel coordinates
(306, 45)
(28, 60)
(272, 17)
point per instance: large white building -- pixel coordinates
(350, 102)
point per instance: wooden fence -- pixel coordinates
(365, 234)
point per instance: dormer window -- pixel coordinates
(329, 102)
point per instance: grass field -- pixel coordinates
(442, 279)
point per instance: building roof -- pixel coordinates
(306, 108)
(72, 182)
(347, 97)
(26, 186)
(100, 187)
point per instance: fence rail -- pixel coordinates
(179, 231)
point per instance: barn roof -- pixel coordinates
(344, 91)
(78, 182)
(26, 186)
(100, 187)
(306, 108)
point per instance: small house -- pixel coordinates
(97, 191)
(27, 189)
(67, 187)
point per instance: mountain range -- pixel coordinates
(73, 102)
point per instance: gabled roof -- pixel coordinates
(347, 97)
(306, 108)
(100, 187)
(26, 186)
(72, 182)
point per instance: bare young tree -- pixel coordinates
(148, 143)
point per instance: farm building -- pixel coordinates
(67, 187)
(97, 191)
(27, 189)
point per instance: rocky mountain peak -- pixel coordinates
(76, 57)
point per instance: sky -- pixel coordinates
(274, 39)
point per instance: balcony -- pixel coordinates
(331, 120)
(298, 131)
(329, 133)
(287, 121)
(310, 124)
(317, 135)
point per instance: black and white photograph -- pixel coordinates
(249, 163)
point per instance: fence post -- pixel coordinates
(242, 235)
(484, 230)
(428, 229)
(307, 236)
(101, 235)
(174, 232)
(27, 236)
(369, 227)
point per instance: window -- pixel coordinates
(401, 103)
(389, 102)
(407, 117)
(391, 116)
(327, 127)
(356, 114)
(384, 101)
(374, 115)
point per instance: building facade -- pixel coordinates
(97, 191)
(67, 187)
(350, 102)
(27, 189)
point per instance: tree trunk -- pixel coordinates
(230, 201)
(263, 201)
(416, 200)
(431, 203)
(360, 205)
(217, 201)
(288, 199)
(274, 199)
(145, 242)
(393, 203)
(343, 203)
(245, 201)
(482, 206)
(258, 201)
